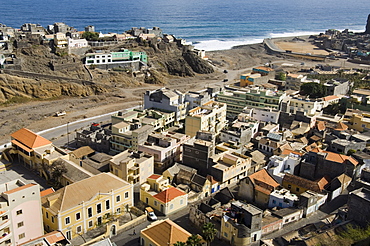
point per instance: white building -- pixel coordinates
(282, 199)
(77, 43)
(168, 100)
(265, 114)
(279, 165)
(294, 81)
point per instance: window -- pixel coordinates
(98, 208)
(89, 212)
(90, 223)
(52, 219)
(297, 189)
(20, 236)
(78, 216)
(5, 217)
(126, 194)
(47, 215)
(181, 201)
(155, 203)
(19, 212)
(118, 198)
(8, 241)
(20, 224)
(78, 229)
(68, 220)
(118, 210)
(107, 205)
(225, 234)
(99, 222)
(171, 206)
(68, 235)
(289, 186)
(273, 201)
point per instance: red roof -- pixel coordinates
(288, 151)
(328, 98)
(29, 138)
(154, 176)
(18, 188)
(47, 192)
(331, 156)
(169, 194)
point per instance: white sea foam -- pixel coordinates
(209, 45)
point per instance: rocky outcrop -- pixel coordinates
(179, 67)
(367, 30)
(196, 63)
(13, 86)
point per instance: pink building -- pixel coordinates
(20, 213)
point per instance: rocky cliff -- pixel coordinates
(14, 86)
(367, 30)
(45, 74)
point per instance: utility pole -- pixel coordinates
(67, 135)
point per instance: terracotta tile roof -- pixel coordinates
(154, 176)
(169, 194)
(339, 158)
(341, 126)
(29, 138)
(320, 125)
(263, 181)
(264, 68)
(82, 191)
(289, 151)
(302, 182)
(331, 156)
(165, 232)
(18, 188)
(328, 98)
(323, 182)
(47, 192)
(52, 238)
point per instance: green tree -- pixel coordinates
(128, 210)
(194, 240)
(90, 36)
(281, 76)
(209, 232)
(179, 244)
(314, 90)
(351, 152)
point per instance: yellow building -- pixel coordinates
(160, 195)
(134, 167)
(211, 117)
(257, 188)
(34, 151)
(360, 122)
(83, 205)
(298, 185)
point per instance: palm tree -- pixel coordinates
(128, 210)
(209, 232)
(179, 244)
(194, 240)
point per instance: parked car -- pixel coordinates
(225, 71)
(225, 80)
(150, 214)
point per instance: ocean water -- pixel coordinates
(210, 24)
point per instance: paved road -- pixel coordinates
(60, 131)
